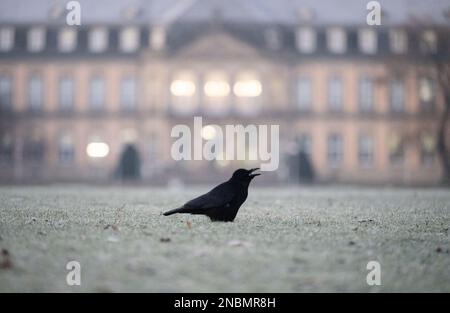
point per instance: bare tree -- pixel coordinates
(439, 60)
(434, 55)
(443, 80)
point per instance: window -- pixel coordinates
(66, 150)
(337, 40)
(66, 93)
(427, 148)
(34, 149)
(247, 90)
(365, 150)
(5, 92)
(183, 90)
(396, 150)
(397, 95)
(398, 41)
(35, 93)
(6, 149)
(67, 39)
(306, 40)
(428, 42)
(6, 38)
(304, 142)
(217, 92)
(97, 93)
(273, 39)
(98, 39)
(426, 93)
(335, 150)
(335, 94)
(367, 40)
(128, 93)
(36, 39)
(304, 93)
(129, 39)
(366, 94)
(158, 38)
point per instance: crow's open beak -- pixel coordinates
(250, 172)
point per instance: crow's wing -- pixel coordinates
(220, 196)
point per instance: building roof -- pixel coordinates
(286, 12)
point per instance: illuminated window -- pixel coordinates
(36, 39)
(335, 93)
(5, 92)
(129, 39)
(335, 150)
(365, 150)
(337, 40)
(6, 38)
(66, 151)
(182, 88)
(67, 39)
(183, 91)
(97, 93)
(398, 41)
(217, 91)
(247, 90)
(98, 39)
(306, 40)
(397, 95)
(35, 92)
(367, 40)
(97, 148)
(428, 41)
(66, 93)
(304, 93)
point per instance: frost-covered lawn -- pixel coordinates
(283, 240)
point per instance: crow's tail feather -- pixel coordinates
(178, 210)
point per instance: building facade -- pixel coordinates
(355, 103)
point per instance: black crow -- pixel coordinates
(223, 202)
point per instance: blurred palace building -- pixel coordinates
(355, 103)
